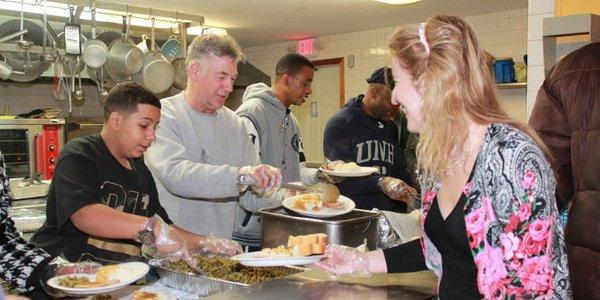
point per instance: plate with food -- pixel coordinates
(314, 205)
(106, 279)
(350, 169)
(300, 250)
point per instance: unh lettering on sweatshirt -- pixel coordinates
(374, 150)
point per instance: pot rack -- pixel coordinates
(117, 9)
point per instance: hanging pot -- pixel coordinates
(145, 44)
(171, 49)
(25, 65)
(124, 58)
(180, 78)
(25, 69)
(95, 52)
(157, 73)
(5, 70)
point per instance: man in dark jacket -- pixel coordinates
(362, 132)
(567, 117)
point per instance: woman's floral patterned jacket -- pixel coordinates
(511, 220)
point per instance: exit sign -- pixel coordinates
(306, 47)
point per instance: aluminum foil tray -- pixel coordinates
(203, 285)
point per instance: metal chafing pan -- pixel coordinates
(350, 229)
(203, 285)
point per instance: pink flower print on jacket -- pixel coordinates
(536, 275)
(468, 188)
(524, 212)
(475, 225)
(491, 271)
(538, 230)
(510, 244)
(428, 197)
(529, 180)
(531, 246)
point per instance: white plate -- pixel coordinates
(325, 212)
(253, 259)
(360, 172)
(126, 273)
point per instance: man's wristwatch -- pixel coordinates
(146, 235)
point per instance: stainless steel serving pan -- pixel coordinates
(350, 229)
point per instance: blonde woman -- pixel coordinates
(489, 213)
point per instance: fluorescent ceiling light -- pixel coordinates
(397, 2)
(102, 15)
(198, 30)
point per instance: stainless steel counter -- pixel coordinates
(28, 215)
(317, 285)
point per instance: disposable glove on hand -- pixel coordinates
(265, 176)
(166, 242)
(397, 189)
(215, 245)
(341, 260)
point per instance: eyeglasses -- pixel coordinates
(307, 84)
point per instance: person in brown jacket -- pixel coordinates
(567, 117)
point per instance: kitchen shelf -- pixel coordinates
(512, 85)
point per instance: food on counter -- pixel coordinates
(103, 278)
(280, 251)
(104, 273)
(329, 193)
(308, 202)
(82, 282)
(73, 281)
(145, 295)
(304, 245)
(227, 269)
(340, 166)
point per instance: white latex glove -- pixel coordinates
(340, 260)
(211, 244)
(265, 176)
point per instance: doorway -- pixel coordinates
(326, 99)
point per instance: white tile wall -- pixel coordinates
(537, 11)
(502, 34)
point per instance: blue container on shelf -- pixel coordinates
(504, 70)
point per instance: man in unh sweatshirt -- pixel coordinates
(203, 158)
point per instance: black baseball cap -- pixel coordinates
(383, 76)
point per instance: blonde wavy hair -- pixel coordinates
(456, 86)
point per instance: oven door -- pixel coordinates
(17, 147)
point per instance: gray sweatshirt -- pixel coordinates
(194, 160)
(277, 132)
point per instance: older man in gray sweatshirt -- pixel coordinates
(202, 156)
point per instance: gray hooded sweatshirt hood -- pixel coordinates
(277, 128)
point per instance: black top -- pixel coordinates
(87, 173)
(459, 279)
(352, 135)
